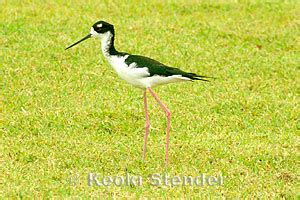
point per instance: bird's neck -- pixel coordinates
(107, 44)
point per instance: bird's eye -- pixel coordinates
(97, 27)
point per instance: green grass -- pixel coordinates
(66, 113)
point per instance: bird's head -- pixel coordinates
(99, 29)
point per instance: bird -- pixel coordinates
(141, 72)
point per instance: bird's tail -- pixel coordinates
(194, 76)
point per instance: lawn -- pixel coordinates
(65, 114)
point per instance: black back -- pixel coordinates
(157, 68)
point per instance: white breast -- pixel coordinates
(139, 77)
(136, 76)
(130, 73)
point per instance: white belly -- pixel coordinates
(130, 74)
(139, 77)
(136, 76)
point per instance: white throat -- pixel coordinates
(106, 42)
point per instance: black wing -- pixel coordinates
(157, 68)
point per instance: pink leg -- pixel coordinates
(168, 114)
(147, 124)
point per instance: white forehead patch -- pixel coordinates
(93, 32)
(99, 25)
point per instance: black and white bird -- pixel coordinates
(139, 71)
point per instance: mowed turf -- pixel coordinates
(65, 114)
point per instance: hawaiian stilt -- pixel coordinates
(139, 71)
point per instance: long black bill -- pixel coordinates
(86, 37)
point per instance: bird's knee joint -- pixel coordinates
(168, 114)
(147, 125)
